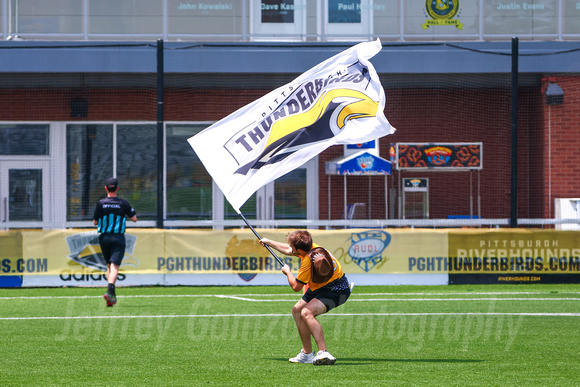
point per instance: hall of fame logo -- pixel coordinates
(442, 13)
(366, 249)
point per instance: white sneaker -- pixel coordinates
(302, 357)
(324, 358)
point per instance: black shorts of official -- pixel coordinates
(112, 247)
(331, 299)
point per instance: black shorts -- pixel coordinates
(112, 247)
(331, 299)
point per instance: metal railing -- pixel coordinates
(571, 224)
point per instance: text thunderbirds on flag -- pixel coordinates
(339, 101)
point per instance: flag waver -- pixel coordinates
(339, 101)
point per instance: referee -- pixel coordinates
(110, 216)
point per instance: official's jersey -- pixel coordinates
(111, 214)
(305, 272)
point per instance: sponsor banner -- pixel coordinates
(517, 252)
(214, 279)
(97, 279)
(11, 250)
(74, 252)
(444, 156)
(59, 251)
(382, 251)
(10, 281)
(468, 279)
(89, 277)
(74, 255)
(361, 163)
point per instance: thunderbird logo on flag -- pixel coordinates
(339, 101)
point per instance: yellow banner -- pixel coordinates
(375, 251)
(442, 22)
(11, 262)
(517, 251)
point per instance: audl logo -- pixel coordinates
(442, 13)
(366, 249)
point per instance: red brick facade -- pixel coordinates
(420, 115)
(561, 145)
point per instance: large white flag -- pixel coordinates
(339, 101)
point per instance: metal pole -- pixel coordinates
(160, 134)
(471, 194)
(329, 197)
(370, 196)
(514, 137)
(549, 162)
(259, 237)
(479, 193)
(345, 209)
(386, 197)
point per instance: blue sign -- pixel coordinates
(364, 145)
(362, 163)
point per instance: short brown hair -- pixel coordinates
(300, 239)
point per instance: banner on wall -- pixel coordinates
(514, 256)
(10, 250)
(228, 251)
(507, 255)
(438, 156)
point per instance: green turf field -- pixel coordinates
(399, 335)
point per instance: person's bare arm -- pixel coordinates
(282, 247)
(294, 284)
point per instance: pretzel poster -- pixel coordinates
(447, 156)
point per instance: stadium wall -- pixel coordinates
(561, 139)
(234, 257)
(472, 115)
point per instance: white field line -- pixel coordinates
(245, 296)
(287, 315)
(415, 299)
(239, 298)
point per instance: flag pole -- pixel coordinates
(259, 237)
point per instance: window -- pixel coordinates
(24, 139)
(248, 209)
(189, 186)
(137, 167)
(278, 19)
(290, 195)
(526, 18)
(46, 17)
(204, 18)
(89, 163)
(126, 17)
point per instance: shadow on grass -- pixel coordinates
(350, 361)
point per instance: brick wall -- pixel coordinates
(562, 135)
(420, 115)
